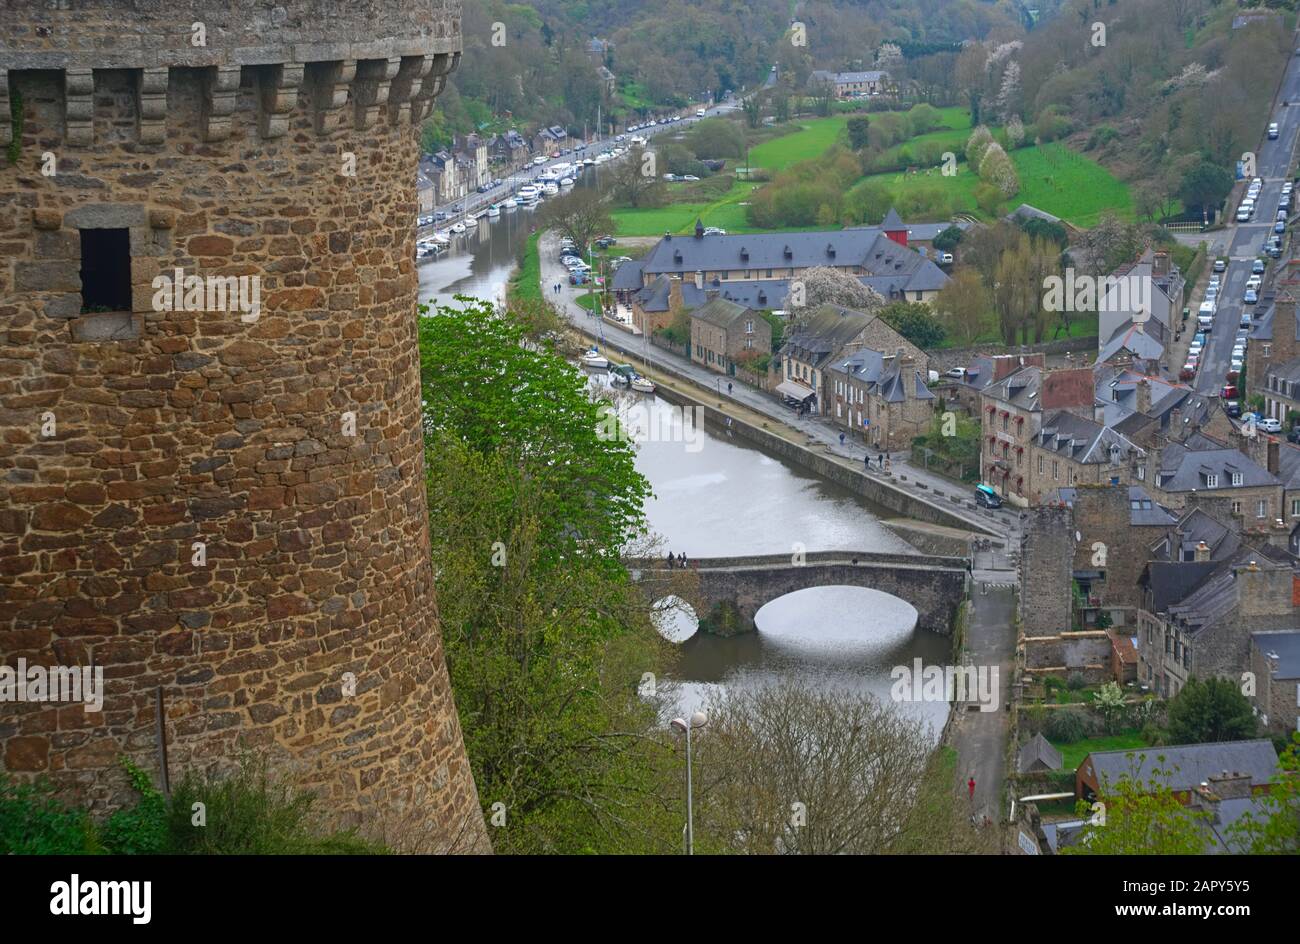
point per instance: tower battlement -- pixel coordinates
(221, 505)
(284, 56)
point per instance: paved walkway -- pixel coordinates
(980, 738)
(816, 429)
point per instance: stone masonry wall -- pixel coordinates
(1047, 550)
(131, 440)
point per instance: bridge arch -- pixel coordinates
(731, 590)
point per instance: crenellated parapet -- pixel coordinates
(320, 56)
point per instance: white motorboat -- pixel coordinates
(588, 162)
(511, 203)
(550, 190)
(440, 237)
(642, 385)
(493, 211)
(594, 358)
(458, 228)
(527, 194)
(566, 182)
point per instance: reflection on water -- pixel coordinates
(714, 496)
(478, 262)
(829, 637)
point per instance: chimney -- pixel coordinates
(674, 295)
(1160, 265)
(699, 280)
(1202, 552)
(1230, 785)
(1284, 343)
(1143, 390)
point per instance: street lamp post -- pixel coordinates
(698, 720)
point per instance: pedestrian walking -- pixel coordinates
(728, 388)
(682, 558)
(671, 560)
(841, 439)
(970, 786)
(867, 460)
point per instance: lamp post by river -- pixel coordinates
(698, 720)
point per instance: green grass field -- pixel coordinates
(526, 283)
(1072, 754)
(1052, 178)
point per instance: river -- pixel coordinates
(718, 496)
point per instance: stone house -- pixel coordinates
(1197, 616)
(426, 187)
(851, 84)
(876, 257)
(550, 141)
(471, 152)
(964, 392)
(725, 335)
(446, 174)
(1207, 467)
(1117, 526)
(1013, 414)
(1148, 293)
(1269, 349)
(1183, 768)
(822, 335)
(880, 398)
(1275, 662)
(508, 148)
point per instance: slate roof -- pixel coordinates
(892, 221)
(1038, 750)
(863, 365)
(1134, 339)
(1082, 440)
(722, 313)
(1171, 581)
(825, 75)
(1287, 370)
(1286, 645)
(1186, 766)
(1185, 467)
(877, 255)
(1144, 511)
(1218, 595)
(893, 385)
(655, 296)
(627, 277)
(823, 333)
(1288, 465)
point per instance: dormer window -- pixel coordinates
(1236, 478)
(1211, 480)
(744, 254)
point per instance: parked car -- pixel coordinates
(1251, 296)
(1257, 266)
(1269, 424)
(1220, 265)
(1188, 371)
(957, 373)
(1245, 320)
(605, 242)
(945, 258)
(1232, 408)
(1243, 215)
(987, 497)
(1272, 131)
(1229, 392)
(1293, 435)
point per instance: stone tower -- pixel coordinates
(215, 491)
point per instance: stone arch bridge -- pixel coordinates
(731, 590)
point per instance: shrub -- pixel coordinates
(1075, 681)
(33, 822)
(1066, 726)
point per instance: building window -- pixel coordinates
(105, 270)
(1236, 478)
(1020, 459)
(1055, 465)
(1040, 465)
(1211, 481)
(1142, 473)
(1295, 508)
(1236, 508)
(1261, 508)
(1004, 423)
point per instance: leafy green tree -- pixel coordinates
(716, 138)
(1109, 700)
(1210, 710)
(1140, 817)
(1274, 829)
(947, 240)
(533, 497)
(1205, 185)
(582, 214)
(858, 127)
(916, 322)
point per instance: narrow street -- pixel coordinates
(980, 737)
